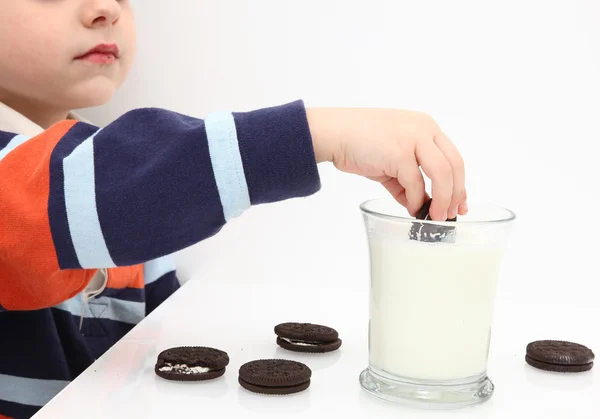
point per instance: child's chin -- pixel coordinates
(91, 97)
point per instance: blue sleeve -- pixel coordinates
(154, 182)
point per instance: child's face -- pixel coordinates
(40, 41)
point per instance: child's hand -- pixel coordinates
(388, 146)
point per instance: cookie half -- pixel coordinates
(307, 337)
(430, 233)
(191, 363)
(559, 356)
(274, 376)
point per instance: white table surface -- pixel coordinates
(240, 318)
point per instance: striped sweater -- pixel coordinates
(89, 217)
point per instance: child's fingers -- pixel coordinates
(463, 208)
(410, 177)
(458, 172)
(438, 169)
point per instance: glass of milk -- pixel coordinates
(432, 295)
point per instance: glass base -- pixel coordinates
(454, 394)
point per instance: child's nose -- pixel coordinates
(101, 12)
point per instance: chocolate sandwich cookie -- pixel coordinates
(274, 376)
(191, 363)
(430, 233)
(307, 337)
(559, 356)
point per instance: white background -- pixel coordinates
(515, 84)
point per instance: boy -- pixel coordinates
(89, 216)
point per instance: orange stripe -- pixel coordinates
(29, 271)
(4, 417)
(126, 277)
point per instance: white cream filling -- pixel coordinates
(300, 342)
(183, 369)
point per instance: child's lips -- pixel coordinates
(99, 57)
(101, 54)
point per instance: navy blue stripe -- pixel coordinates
(31, 346)
(277, 153)
(57, 212)
(66, 351)
(155, 188)
(17, 411)
(2, 308)
(77, 354)
(128, 294)
(95, 338)
(159, 290)
(5, 138)
(102, 334)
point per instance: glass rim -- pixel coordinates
(510, 215)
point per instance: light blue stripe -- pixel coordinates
(29, 391)
(156, 268)
(80, 201)
(227, 163)
(130, 312)
(73, 305)
(16, 141)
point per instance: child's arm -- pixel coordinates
(76, 198)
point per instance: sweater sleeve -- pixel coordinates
(77, 198)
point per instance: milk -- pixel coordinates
(431, 307)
